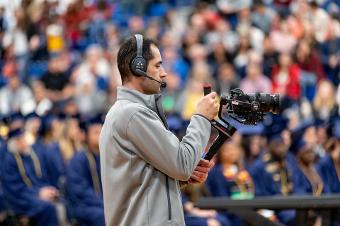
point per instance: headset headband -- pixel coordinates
(139, 39)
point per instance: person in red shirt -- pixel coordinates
(285, 77)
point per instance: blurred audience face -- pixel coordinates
(310, 135)
(20, 144)
(230, 153)
(173, 82)
(226, 73)
(303, 50)
(255, 145)
(285, 60)
(93, 137)
(278, 149)
(39, 91)
(14, 82)
(307, 154)
(72, 130)
(326, 90)
(253, 71)
(93, 54)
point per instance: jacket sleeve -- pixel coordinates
(162, 149)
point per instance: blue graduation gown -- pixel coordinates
(265, 185)
(85, 203)
(302, 184)
(24, 199)
(191, 220)
(218, 185)
(2, 156)
(55, 165)
(328, 173)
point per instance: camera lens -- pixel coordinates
(268, 103)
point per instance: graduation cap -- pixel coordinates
(302, 127)
(250, 130)
(297, 136)
(274, 129)
(98, 119)
(15, 133)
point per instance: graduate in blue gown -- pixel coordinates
(273, 175)
(26, 189)
(229, 177)
(307, 180)
(329, 166)
(198, 217)
(59, 152)
(84, 187)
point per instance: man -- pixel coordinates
(83, 180)
(141, 161)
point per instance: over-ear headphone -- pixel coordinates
(139, 63)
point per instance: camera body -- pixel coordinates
(249, 108)
(245, 108)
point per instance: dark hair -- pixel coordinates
(128, 51)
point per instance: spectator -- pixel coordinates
(14, 95)
(324, 104)
(227, 79)
(56, 80)
(283, 40)
(286, 78)
(330, 55)
(255, 81)
(262, 16)
(91, 79)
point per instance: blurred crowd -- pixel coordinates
(58, 78)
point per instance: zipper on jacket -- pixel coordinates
(168, 196)
(163, 119)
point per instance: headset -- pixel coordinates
(139, 64)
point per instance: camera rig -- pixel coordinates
(247, 109)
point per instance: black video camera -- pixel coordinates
(247, 109)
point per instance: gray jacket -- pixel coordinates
(142, 161)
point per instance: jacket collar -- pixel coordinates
(135, 96)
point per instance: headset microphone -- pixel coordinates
(163, 84)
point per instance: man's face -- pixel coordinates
(155, 70)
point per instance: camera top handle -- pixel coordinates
(225, 131)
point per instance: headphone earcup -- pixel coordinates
(138, 63)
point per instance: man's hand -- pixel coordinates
(208, 106)
(201, 171)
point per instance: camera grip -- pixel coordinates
(217, 143)
(206, 89)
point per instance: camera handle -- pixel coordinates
(225, 131)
